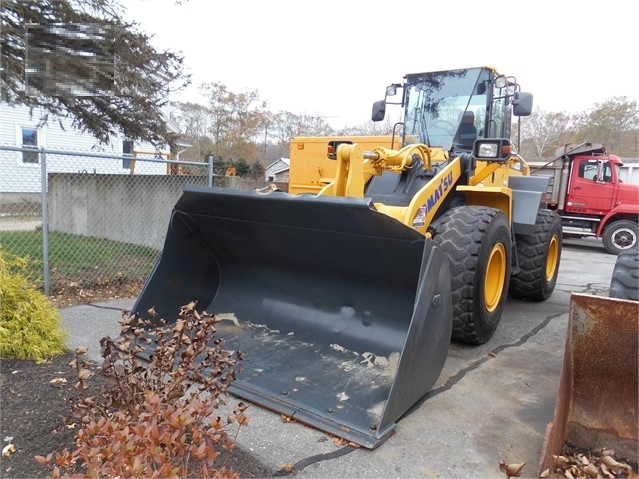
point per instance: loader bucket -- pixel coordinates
(343, 313)
(597, 402)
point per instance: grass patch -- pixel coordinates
(81, 259)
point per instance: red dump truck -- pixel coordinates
(585, 190)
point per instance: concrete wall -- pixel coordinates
(6, 198)
(128, 209)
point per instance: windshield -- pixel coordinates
(446, 109)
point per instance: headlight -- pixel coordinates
(501, 81)
(493, 149)
(488, 150)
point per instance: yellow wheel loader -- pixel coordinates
(344, 302)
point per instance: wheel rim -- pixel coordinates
(624, 238)
(553, 256)
(494, 280)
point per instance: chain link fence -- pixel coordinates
(89, 221)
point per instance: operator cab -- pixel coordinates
(452, 109)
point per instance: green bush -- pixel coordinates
(29, 323)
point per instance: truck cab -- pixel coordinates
(595, 187)
(586, 191)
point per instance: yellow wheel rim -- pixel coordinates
(494, 280)
(553, 256)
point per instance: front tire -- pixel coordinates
(476, 240)
(625, 276)
(619, 236)
(539, 254)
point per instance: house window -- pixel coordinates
(127, 150)
(30, 140)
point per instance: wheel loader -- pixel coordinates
(344, 302)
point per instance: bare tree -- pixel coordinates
(218, 97)
(372, 128)
(287, 125)
(237, 120)
(542, 132)
(194, 123)
(249, 115)
(614, 122)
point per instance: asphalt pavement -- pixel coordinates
(491, 402)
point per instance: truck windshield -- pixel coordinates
(446, 109)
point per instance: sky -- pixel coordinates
(334, 58)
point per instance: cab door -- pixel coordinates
(592, 187)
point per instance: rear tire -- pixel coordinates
(538, 254)
(476, 240)
(625, 276)
(619, 236)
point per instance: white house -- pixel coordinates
(21, 171)
(278, 170)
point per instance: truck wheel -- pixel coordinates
(619, 236)
(625, 276)
(476, 240)
(538, 254)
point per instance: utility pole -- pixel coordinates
(265, 135)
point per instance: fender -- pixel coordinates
(619, 210)
(499, 197)
(440, 192)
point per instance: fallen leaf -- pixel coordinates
(606, 471)
(607, 452)
(8, 450)
(546, 473)
(591, 470)
(57, 381)
(338, 441)
(511, 470)
(613, 465)
(492, 354)
(560, 461)
(288, 467)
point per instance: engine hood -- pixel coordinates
(628, 194)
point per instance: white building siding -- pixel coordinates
(278, 170)
(19, 176)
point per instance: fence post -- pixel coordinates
(45, 222)
(210, 178)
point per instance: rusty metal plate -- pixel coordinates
(597, 400)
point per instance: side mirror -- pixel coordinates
(522, 103)
(379, 110)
